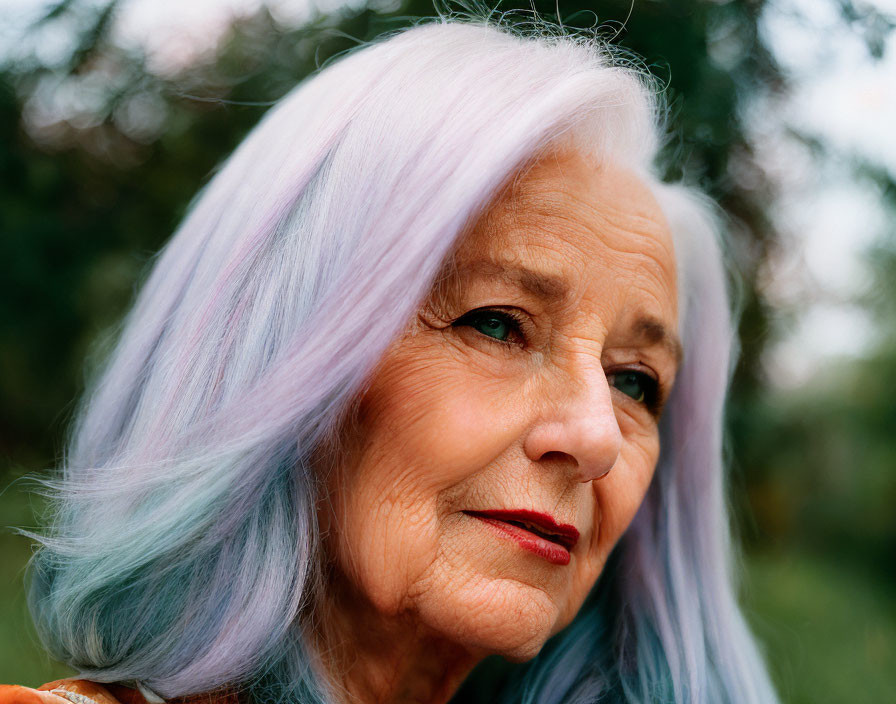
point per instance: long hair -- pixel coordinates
(182, 550)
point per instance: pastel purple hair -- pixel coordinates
(182, 547)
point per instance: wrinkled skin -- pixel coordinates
(467, 413)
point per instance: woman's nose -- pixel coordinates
(581, 425)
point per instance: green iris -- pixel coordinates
(493, 326)
(631, 384)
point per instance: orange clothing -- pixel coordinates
(75, 691)
(70, 692)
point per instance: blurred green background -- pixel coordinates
(112, 115)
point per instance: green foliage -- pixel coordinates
(829, 631)
(22, 660)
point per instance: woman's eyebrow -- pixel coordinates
(550, 287)
(655, 332)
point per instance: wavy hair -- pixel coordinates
(181, 550)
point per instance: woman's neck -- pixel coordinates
(373, 658)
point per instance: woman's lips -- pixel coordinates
(536, 532)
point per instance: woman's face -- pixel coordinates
(509, 436)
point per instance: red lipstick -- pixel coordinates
(533, 531)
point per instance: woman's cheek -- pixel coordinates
(622, 491)
(428, 424)
(447, 410)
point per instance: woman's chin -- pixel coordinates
(506, 617)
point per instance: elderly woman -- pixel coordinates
(433, 370)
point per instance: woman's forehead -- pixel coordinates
(568, 187)
(565, 215)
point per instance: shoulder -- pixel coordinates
(75, 691)
(16, 694)
(70, 691)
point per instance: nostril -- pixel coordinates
(560, 461)
(554, 455)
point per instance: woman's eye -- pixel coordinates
(638, 385)
(499, 325)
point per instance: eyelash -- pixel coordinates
(654, 396)
(513, 319)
